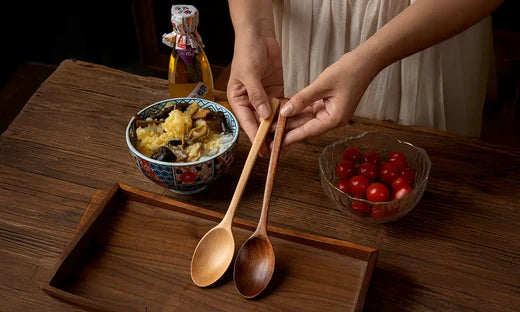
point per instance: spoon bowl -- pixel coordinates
(215, 250)
(212, 256)
(254, 266)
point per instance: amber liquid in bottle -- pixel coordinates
(183, 78)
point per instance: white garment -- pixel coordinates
(441, 87)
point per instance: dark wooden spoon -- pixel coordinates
(254, 265)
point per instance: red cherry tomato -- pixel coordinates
(358, 185)
(378, 211)
(377, 192)
(395, 155)
(361, 208)
(388, 173)
(345, 169)
(352, 154)
(400, 182)
(342, 185)
(368, 170)
(372, 157)
(398, 163)
(408, 174)
(402, 192)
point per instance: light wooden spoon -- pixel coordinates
(254, 265)
(215, 250)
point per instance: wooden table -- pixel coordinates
(459, 250)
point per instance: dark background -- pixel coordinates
(37, 35)
(101, 32)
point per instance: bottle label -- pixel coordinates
(200, 91)
(187, 54)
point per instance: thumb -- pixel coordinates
(306, 97)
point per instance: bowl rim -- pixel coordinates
(322, 172)
(136, 152)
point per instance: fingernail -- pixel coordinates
(263, 111)
(287, 110)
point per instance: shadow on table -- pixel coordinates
(432, 214)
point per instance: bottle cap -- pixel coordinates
(185, 19)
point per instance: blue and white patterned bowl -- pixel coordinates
(191, 177)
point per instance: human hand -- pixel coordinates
(330, 100)
(256, 77)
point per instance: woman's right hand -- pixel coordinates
(256, 76)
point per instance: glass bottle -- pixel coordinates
(189, 72)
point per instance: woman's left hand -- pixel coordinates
(330, 100)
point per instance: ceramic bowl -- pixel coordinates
(190, 177)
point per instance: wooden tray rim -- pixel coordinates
(354, 250)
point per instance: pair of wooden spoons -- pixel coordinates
(255, 260)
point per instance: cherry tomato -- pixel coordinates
(377, 192)
(388, 173)
(378, 211)
(402, 192)
(345, 169)
(342, 185)
(352, 154)
(400, 182)
(408, 174)
(361, 208)
(395, 155)
(372, 157)
(358, 185)
(398, 163)
(368, 170)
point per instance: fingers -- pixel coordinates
(306, 97)
(312, 128)
(294, 122)
(247, 121)
(258, 97)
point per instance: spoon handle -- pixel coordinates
(250, 162)
(273, 164)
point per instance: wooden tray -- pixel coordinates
(133, 253)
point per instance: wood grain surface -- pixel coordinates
(458, 250)
(114, 264)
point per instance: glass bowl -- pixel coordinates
(384, 144)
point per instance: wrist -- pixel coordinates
(254, 29)
(257, 28)
(371, 56)
(252, 17)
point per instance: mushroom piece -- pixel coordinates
(201, 113)
(164, 154)
(175, 142)
(190, 110)
(198, 133)
(182, 106)
(176, 150)
(215, 121)
(145, 123)
(163, 113)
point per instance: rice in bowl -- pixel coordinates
(180, 133)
